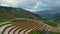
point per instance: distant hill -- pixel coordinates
(10, 12)
(49, 14)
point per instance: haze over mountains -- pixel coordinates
(49, 14)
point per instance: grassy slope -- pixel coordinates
(50, 22)
(34, 32)
(4, 19)
(18, 12)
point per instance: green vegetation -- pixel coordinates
(34, 32)
(23, 16)
(4, 19)
(49, 22)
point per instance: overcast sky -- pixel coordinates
(33, 5)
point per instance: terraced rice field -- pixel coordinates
(25, 26)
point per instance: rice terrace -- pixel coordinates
(29, 16)
(25, 26)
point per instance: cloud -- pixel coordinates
(42, 5)
(0, 2)
(5, 5)
(33, 4)
(37, 4)
(46, 4)
(10, 3)
(27, 4)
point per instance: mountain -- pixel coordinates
(48, 14)
(10, 12)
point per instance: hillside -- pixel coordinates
(9, 12)
(26, 26)
(49, 14)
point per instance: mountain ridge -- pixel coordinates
(17, 12)
(48, 14)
